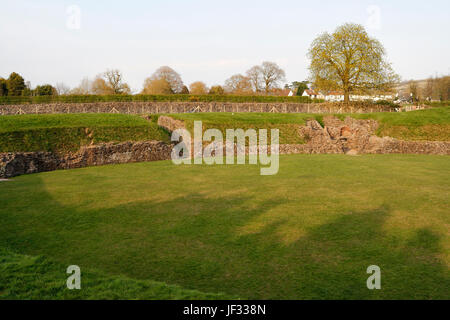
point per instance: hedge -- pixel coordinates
(173, 97)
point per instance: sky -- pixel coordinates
(64, 41)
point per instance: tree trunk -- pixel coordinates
(346, 96)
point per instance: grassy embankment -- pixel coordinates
(67, 132)
(430, 124)
(309, 232)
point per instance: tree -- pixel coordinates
(45, 90)
(185, 90)
(114, 81)
(216, 90)
(84, 88)
(428, 91)
(157, 86)
(15, 84)
(271, 75)
(62, 89)
(198, 87)
(3, 87)
(298, 87)
(351, 61)
(413, 90)
(100, 87)
(255, 76)
(238, 84)
(443, 88)
(301, 87)
(171, 76)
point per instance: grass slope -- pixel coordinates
(429, 124)
(36, 277)
(67, 132)
(287, 123)
(309, 232)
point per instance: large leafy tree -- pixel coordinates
(157, 86)
(198, 87)
(351, 61)
(45, 90)
(171, 76)
(15, 84)
(3, 87)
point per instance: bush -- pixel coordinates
(142, 98)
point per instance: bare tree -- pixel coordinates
(255, 76)
(272, 75)
(83, 88)
(428, 91)
(62, 89)
(171, 76)
(114, 80)
(413, 90)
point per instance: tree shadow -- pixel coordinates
(192, 241)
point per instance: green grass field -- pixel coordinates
(309, 232)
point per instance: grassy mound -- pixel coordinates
(67, 132)
(287, 123)
(309, 232)
(429, 124)
(36, 277)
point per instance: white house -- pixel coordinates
(336, 96)
(312, 94)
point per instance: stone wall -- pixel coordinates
(355, 136)
(17, 163)
(186, 107)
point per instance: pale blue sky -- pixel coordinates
(208, 40)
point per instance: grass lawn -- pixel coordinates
(429, 124)
(309, 232)
(67, 132)
(287, 123)
(36, 277)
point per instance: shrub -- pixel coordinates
(140, 97)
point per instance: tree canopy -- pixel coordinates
(15, 84)
(171, 76)
(351, 61)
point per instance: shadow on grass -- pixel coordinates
(191, 241)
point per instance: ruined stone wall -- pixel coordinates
(186, 107)
(17, 163)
